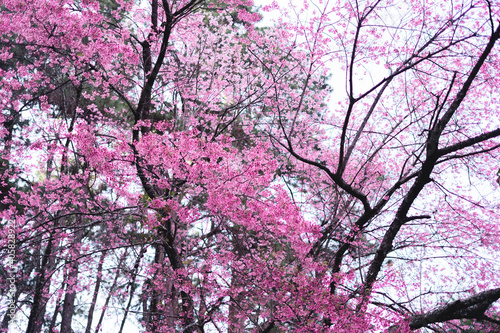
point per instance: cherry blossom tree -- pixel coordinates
(175, 166)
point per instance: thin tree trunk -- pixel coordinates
(115, 280)
(37, 313)
(54, 316)
(96, 292)
(153, 315)
(172, 311)
(236, 324)
(69, 298)
(132, 286)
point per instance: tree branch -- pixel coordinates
(469, 142)
(472, 307)
(423, 175)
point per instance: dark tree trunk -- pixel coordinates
(54, 316)
(40, 298)
(96, 292)
(236, 324)
(132, 287)
(111, 290)
(153, 312)
(69, 298)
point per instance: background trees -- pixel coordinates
(173, 165)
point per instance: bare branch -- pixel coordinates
(472, 307)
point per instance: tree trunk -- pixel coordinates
(132, 287)
(54, 316)
(153, 313)
(236, 323)
(69, 298)
(96, 292)
(113, 286)
(40, 298)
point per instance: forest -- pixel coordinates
(230, 166)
